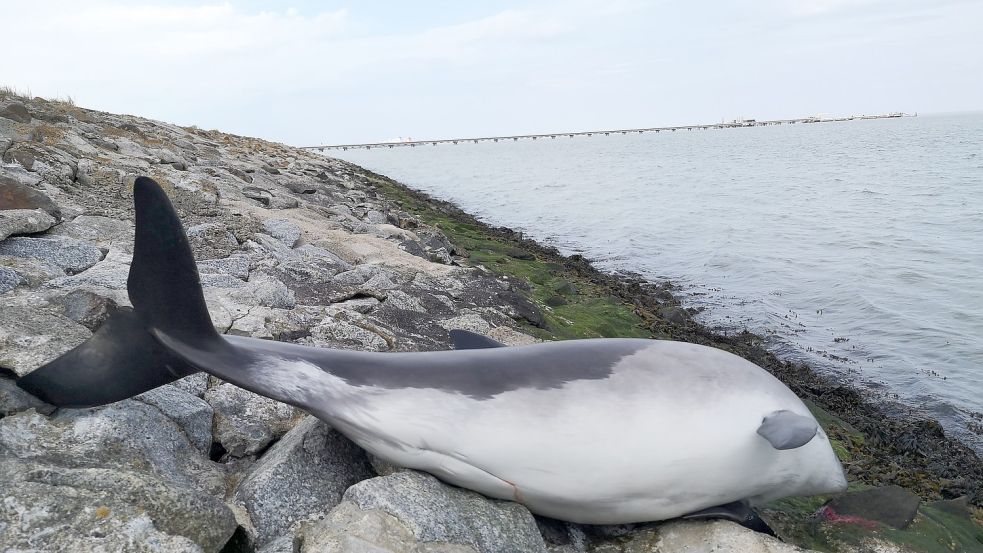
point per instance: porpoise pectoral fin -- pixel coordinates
(737, 511)
(464, 339)
(787, 430)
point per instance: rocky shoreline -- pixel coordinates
(297, 247)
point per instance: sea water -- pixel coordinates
(856, 246)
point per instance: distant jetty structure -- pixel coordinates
(737, 123)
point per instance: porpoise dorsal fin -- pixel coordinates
(787, 430)
(464, 339)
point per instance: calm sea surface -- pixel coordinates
(857, 246)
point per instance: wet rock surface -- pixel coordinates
(295, 247)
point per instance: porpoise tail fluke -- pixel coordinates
(123, 358)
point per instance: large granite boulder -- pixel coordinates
(303, 474)
(31, 335)
(73, 256)
(246, 423)
(415, 510)
(24, 221)
(120, 477)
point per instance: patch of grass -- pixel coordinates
(11, 92)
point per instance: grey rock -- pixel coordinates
(73, 256)
(97, 175)
(32, 272)
(53, 165)
(305, 473)
(268, 248)
(109, 274)
(16, 111)
(14, 400)
(24, 221)
(282, 544)
(434, 511)
(245, 423)
(193, 414)
(350, 278)
(86, 308)
(101, 231)
(254, 322)
(236, 265)
(283, 230)
(55, 508)
(690, 536)
(9, 279)
(211, 241)
(310, 276)
(105, 144)
(195, 384)
(240, 174)
(17, 194)
(348, 529)
(262, 196)
(340, 209)
(890, 505)
(379, 283)
(374, 217)
(323, 259)
(212, 280)
(127, 435)
(31, 336)
(342, 334)
(298, 187)
(403, 300)
(441, 255)
(283, 201)
(383, 467)
(359, 305)
(264, 290)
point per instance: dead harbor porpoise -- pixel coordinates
(599, 431)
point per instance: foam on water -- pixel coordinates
(857, 246)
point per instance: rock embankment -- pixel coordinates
(291, 246)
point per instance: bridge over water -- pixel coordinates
(731, 125)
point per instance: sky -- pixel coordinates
(330, 72)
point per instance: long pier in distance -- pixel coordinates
(730, 125)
